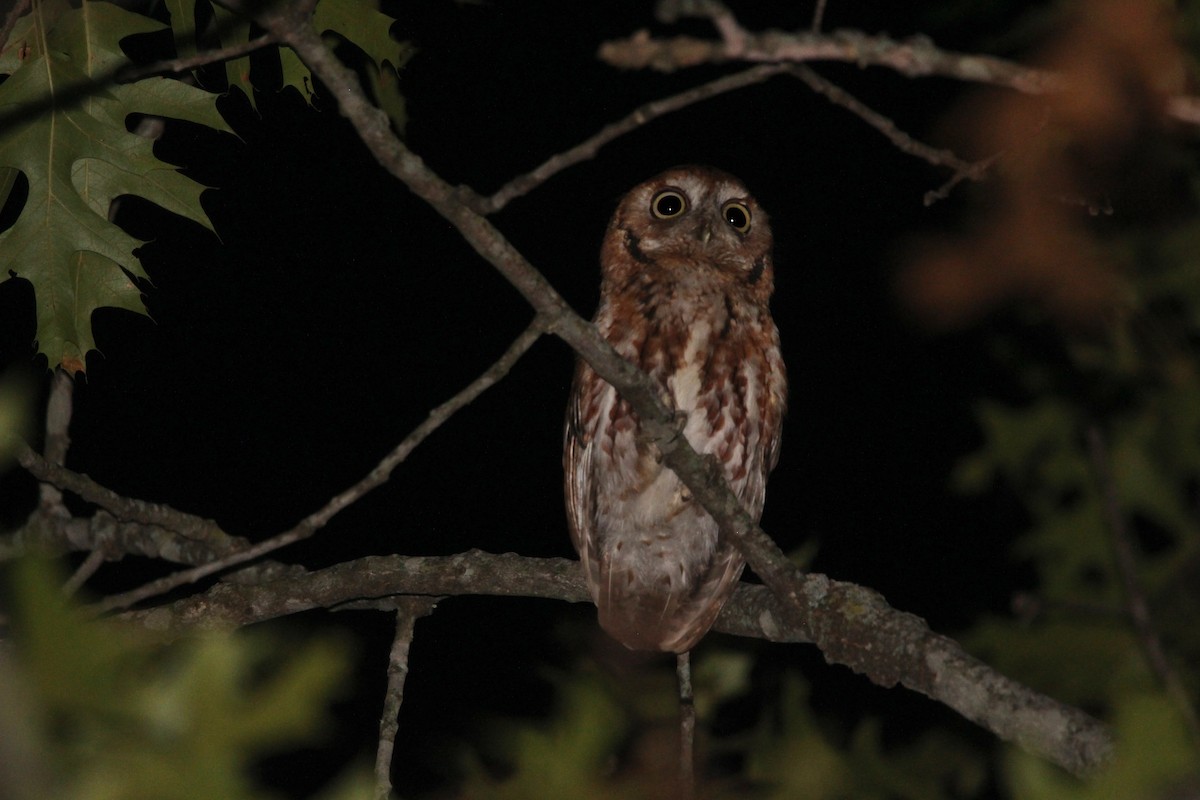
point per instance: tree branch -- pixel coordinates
(523, 184)
(902, 141)
(177, 65)
(704, 477)
(408, 609)
(852, 625)
(914, 58)
(377, 476)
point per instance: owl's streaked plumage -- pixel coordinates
(686, 277)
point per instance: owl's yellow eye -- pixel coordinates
(737, 215)
(668, 204)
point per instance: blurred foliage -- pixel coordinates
(1156, 757)
(98, 711)
(618, 738)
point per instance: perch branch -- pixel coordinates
(377, 476)
(852, 626)
(925, 672)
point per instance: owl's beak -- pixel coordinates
(704, 232)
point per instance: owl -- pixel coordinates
(686, 279)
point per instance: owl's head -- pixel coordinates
(691, 224)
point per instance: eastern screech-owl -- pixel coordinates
(686, 280)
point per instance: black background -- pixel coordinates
(282, 360)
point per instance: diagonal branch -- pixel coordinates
(376, 477)
(588, 148)
(797, 604)
(939, 157)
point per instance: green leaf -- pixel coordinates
(360, 22)
(235, 29)
(67, 134)
(183, 26)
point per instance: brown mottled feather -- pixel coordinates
(686, 299)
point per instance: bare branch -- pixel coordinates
(1135, 596)
(973, 171)
(914, 58)
(902, 141)
(852, 626)
(818, 16)
(919, 670)
(377, 476)
(408, 609)
(642, 115)
(124, 508)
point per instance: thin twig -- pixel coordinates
(1135, 595)
(176, 65)
(687, 726)
(818, 16)
(408, 609)
(86, 570)
(974, 171)
(904, 142)
(377, 476)
(644, 114)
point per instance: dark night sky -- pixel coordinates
(336, 309)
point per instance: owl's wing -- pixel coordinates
(580, 491)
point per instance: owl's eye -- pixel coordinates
(737, 215)
(668, 204)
